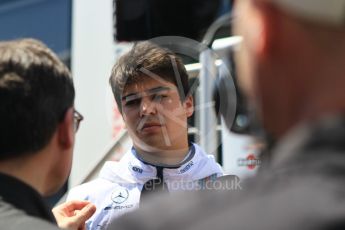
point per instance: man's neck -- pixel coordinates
(165, 157)
(319, 95)
(315, 110)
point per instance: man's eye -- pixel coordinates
(132, 102)
(159, 97)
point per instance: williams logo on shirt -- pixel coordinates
(187, 167)
(136, 169)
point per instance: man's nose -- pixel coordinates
(147, 107)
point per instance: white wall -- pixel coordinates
(92, 59)
(239, 152)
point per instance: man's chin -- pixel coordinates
(153, 144)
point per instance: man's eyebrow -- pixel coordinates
(133, 96)
(158, 89)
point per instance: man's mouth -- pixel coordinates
(150, 125)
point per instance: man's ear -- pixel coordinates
(66, 130)
(124, 120)
(264, 30)
(189, 105)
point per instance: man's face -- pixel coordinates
(155, 116)
(266, 64)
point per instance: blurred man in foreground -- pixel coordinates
(291, 66)
(37, 126)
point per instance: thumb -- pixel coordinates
(84, 214)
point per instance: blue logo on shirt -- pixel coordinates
(137, 169)
(187, 167)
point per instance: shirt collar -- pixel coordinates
(188, 157)
(24, 197)
(132, 170)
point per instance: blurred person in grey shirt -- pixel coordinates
(291, 68)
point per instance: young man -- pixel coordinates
(37, 126)
(151, 89)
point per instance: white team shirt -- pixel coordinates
(118, 188)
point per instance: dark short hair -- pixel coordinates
(150, 57)
(36, 89)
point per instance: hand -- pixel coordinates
(73, 214)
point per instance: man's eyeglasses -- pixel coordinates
(77, 119)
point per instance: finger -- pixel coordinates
(75, 205)
(84, 214)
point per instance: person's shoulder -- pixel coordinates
(12, 218)
(202, 153)
(289, 197)
(266, 205)
(182, 210)
(206, 164)
(31, 223)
